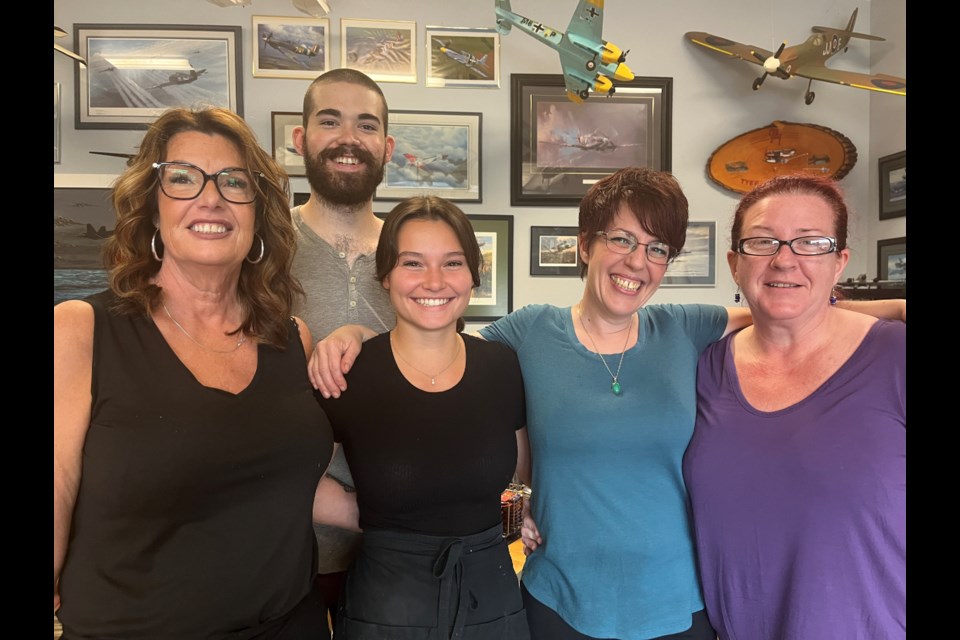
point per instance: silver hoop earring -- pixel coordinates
(262, 249)
(153, 246)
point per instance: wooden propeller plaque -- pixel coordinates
(777, 149)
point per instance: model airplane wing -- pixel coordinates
(587, 21)
(745, 52)
(872, 82)
(575, 84)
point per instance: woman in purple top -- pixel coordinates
(797, 466)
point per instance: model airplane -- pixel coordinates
(465, 58)
(807, 60)
(589, 62)
(286, 48)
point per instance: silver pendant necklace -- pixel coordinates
(240, 340)
(614, 377)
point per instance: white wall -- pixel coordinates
(712, 100)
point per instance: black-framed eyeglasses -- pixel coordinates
(184, 181)
(802, 246)
(624, 243)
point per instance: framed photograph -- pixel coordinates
(559, 148)
(385, 50)
(494, 297)
(893, 185)
(83, 219)
(437, 153)
(696, 266)
(135, 72)
(285, 47)
(463, 57)
(554, 251)
(892, 259)
(56, 123)
(282, 126)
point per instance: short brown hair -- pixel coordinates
(428, 208)
(350, 76)
(654, 197)
(267, 290)
(796, 184)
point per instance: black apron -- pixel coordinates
(408, 586)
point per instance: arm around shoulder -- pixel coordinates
(73, 324)
(895, 309)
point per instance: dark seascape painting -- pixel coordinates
(82, 221)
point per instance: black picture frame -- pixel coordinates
(158, 61)
(892, 259)
(560, 148)
(493, 299)
(893, 185)
(696, 266)
(555, 251)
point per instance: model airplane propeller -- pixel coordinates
(807, 60)
(589, 62)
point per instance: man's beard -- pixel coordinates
(344, 188)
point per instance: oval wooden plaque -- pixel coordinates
(777, 149)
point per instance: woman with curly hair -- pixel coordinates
(188, 446)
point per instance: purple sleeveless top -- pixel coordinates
(800, 514)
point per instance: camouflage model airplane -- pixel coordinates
(588, 61)
(807, 60)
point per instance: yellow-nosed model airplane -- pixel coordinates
(589, 62)
(807, 60)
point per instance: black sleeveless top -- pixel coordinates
(194, 513)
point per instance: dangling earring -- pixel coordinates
(262, 249)
(833, 295)
(153, 246)
(736, 296)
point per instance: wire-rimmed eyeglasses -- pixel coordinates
(184, 181)
(802, 246)
(624, 242)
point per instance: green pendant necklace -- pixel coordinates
(614, 377)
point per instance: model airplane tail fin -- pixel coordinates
(503, 26)
(848, 32)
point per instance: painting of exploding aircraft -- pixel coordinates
(291, 47)
(462, 57)
(806, 60)
(605, 137)
(134, 74)
(589, 62)
(385, 50)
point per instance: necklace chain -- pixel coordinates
(433, 378)
(614, 378)
(240, 340)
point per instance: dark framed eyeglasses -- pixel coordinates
(802, 246)
(623, 242)
(184, 181)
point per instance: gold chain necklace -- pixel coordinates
(614, 378)
(240, 340)
(433, 378)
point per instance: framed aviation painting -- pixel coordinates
(437, 153)
(285, 47)
(696, 266)
(559, 148)
(282, 124)
(135, 72)
(494, 297)
(463, 57)
(893, 185)
(385, 50)
(554, 251)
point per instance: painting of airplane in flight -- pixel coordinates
(463, 58)
(589, 62)
(290, 47)
(385, 50)
(435, 153)
(133, 74)
(806, 60)
(605, 137)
